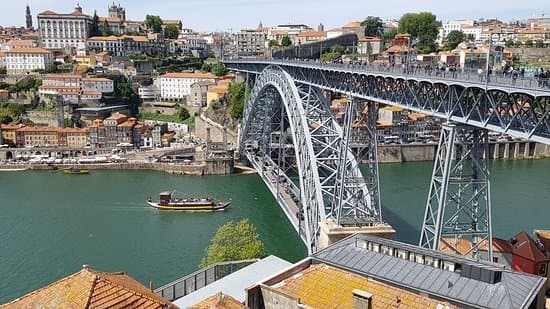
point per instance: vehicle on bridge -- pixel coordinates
(192, 204)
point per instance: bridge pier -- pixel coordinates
(458, 210)
(331, 232)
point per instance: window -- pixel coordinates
(542, 269)
(495, 259)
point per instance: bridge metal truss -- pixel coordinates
(459, 201)
(519, 112)
(290, 135)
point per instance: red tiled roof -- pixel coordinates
(190, 75)
(92, 289)
(526, 247)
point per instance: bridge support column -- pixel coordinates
(458, 210)
(331, 232)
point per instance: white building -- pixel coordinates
(148, 92)
(176, 86)
(25, 60)
(456, 25)
(103, 85)
(59, 31)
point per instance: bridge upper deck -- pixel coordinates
(506, 82)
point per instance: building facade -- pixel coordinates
(176, 86)
(250, 42)
(60, 31)
(25, 60)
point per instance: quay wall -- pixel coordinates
(215, 167)
(497, 150)
(217, 131)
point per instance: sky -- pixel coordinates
(224, 15)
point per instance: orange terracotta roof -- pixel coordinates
(323, 286)
(353, 24)
(312, 33)
(38, 129)
(32, 50)
(96, 79)
(117, 116)
(219, 301)
(12, 126)
(499, 245)
(137, 38)
(91, 92)
(62, 76)
(526, 247)
(190, 75)
(370, 39)
(456, 246)
(2, 54)
(20, 43)
(104, 38)
(102, 54)
(219, 89)
(92, 289)
(48, 87)
(171, 21)
(109, 19)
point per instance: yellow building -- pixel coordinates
(37, 136)
(8, 133)
(215, 93)
(4, 94)
(76, 137)
(85, 60)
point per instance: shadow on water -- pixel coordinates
(404, 231)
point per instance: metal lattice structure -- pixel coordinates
(299, 141)
(290, 136)
(459, 201)
(521, 110)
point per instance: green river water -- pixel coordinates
(52, 223)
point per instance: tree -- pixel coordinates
(106, 29)
(286, 41)
(389, 35)
(3, 71)
(183, 113)
(529, 43)
(422, 26)
(452, 40)
(373, 26)
(94, 28)
(232, 242)
(470, 37)
(539, 44)
(206, 67)
(171, 32)
(218, 69)
(237, 92)
(509, 43)
(272, 43)
(153, 22)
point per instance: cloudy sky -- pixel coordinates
(207, 15)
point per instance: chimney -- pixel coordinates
(361, 299)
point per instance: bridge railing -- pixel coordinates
(502, 78)
(201, 278)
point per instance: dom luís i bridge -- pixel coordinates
(311, 163)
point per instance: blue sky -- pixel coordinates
(208, 15)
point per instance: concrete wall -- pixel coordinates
(274, 299)
(426, 152)
(532, 55)
(216, 131)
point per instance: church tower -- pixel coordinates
(28, 18)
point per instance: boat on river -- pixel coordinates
(75, 171)
(204, 204)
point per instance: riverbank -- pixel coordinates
(176, 169)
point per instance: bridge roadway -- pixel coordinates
(518, 107)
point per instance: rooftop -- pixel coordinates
(219, 301)
(453, 278)
(92, 289)
(235, 284)
(32, 50)
(322, 286)
(190, 75)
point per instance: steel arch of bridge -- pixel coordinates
(329, 183)
(519, 112)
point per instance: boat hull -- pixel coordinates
(201, 208)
